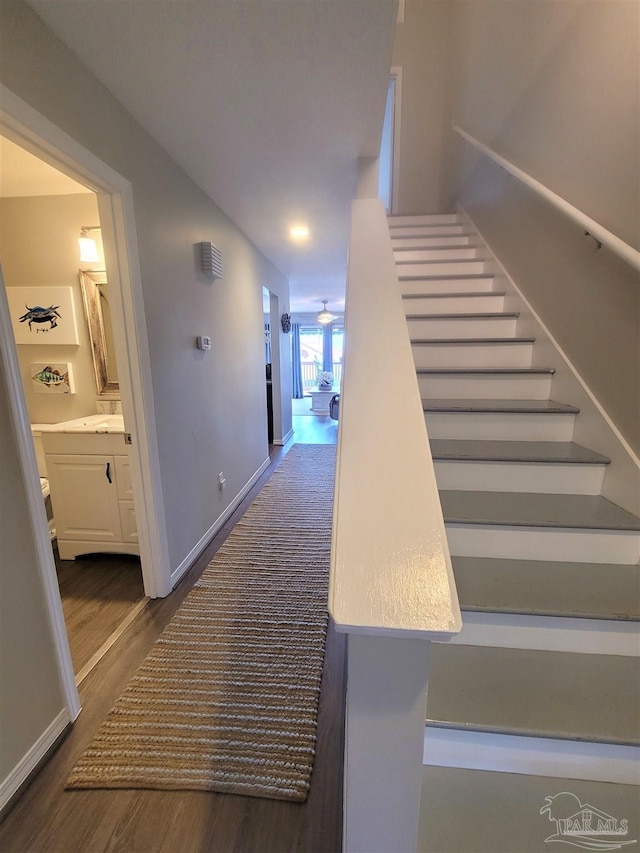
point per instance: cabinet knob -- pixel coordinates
(108, 472)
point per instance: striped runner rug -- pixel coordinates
(227, 698)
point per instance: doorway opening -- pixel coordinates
(389, 159)
(43, 213)
(30, 130)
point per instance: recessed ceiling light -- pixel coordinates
(299, 232)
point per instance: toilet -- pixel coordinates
(36, 434)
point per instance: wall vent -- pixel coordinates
(211, 259)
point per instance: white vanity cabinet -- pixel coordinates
(91, 493)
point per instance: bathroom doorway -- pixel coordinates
(43, 212)
(32, 131)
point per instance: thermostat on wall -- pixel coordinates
(203, 342)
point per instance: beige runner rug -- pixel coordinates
(227, 698)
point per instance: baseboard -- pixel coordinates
(21, 774)
(198, 548)
(594, 427)
(282, 441)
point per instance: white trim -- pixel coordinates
(611, 241)
(95, 659)
(532, 756)
(550, 633)
(27, 127)
(37, 513)
(197, 549)
(282, 441)
(573, 544)
(29, 762)
(396, 71)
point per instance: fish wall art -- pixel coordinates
(52, 378)
(43, 315)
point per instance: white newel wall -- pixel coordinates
(392, 587)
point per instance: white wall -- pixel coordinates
(555, 88)
(420, 50)
(210, 408)
(29, 686)
(38, 246)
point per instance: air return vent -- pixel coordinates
(211, 259)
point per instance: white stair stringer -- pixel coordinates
(532, 510)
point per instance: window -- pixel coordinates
(312, 355)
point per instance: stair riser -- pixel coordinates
(485, 387)
(550, 633)
(428, 230)
(452, 327)
(437, 254)
(544, 543)
(538, 477)
(453, 304)
(472, 355)
(436, 268)
(423, 219)
(422, 286)
(532, 756)
(500, 426)
(431, 242)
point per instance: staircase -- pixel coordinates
(539, 693)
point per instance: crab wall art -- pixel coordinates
(43, 315)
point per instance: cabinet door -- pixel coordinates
(128, 522)
(85, 503)
(123, 478)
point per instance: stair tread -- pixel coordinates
(545, 588)
(535, 693)
(466, 810)
(531, 371)
(441, 261)
(521, 509)
(461, 295)
(427, 234)
(476, 276)
(469, 341)
(515, 451)
(434, 248)
(480, 315)
(520, 406)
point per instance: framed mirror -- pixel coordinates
(95, 296)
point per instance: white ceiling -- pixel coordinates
(22, 174)
(266, 104)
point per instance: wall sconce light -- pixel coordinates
(88, 248)
(211, 260)
(325, 316)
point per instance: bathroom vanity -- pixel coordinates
(87, 463)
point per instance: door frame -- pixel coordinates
(23, 125)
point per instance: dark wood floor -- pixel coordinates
(98, 592)
(48, 819)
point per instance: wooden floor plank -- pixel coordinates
(98, 591)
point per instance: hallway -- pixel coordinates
(47, 818)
